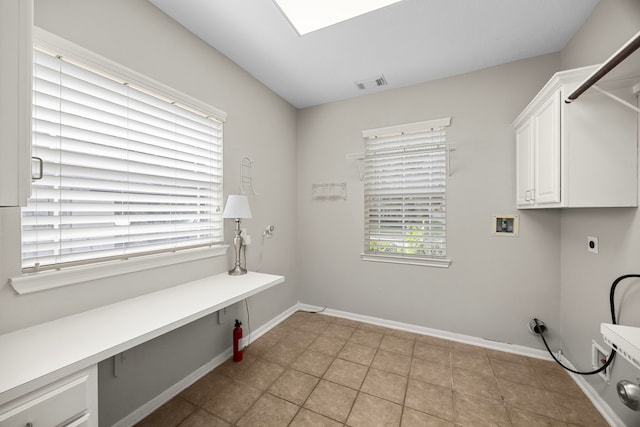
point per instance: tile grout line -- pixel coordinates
(334, 359)
(320, 378)
(318, 382)
(361, 384)
(406, 387)
(386, 332)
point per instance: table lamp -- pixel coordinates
(237, 208)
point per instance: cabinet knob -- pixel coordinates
(29, 424)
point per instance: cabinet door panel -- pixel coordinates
(524, 164)
(546, 122)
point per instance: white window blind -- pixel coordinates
(125, 172)
(405, 182)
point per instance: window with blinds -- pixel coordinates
(125, 172)
(405, 184)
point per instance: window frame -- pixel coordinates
(41, 280)
(401, 130)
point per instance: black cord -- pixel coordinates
(246, 304)
(600, 369)
(613, 320)
(316, 311)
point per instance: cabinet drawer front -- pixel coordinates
(83, 421)
(61, 405)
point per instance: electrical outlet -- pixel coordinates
(592, 244)
(598, 358)
(245, 236)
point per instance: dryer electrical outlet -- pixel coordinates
(598, 358)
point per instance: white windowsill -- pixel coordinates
(397, 259)
(43, 280)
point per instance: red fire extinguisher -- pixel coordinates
(237, 335)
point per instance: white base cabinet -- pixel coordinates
(583, 154)
(69, 402)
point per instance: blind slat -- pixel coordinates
(125, 172)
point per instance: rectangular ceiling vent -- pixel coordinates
(371, 83)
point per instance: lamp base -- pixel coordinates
(238, 243)
(237, 271)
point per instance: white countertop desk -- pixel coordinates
(38, 355)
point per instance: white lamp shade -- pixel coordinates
(237, 207)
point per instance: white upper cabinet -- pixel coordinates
(583, 154)
(16, 51)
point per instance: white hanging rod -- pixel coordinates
(620, 55)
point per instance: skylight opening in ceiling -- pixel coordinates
(311, 15)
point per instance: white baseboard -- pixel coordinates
(605, 410)
(254, 335)
(466, 339)
(599, 403)
(174, 390)
(146, 409)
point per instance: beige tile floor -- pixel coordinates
(318, 370)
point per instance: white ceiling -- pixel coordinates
(408, 42)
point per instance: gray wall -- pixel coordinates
(260, 125)
(494, 284)
(586, 278)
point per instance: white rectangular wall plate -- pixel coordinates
(598, 358)
(592, 244)
(505, 225)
